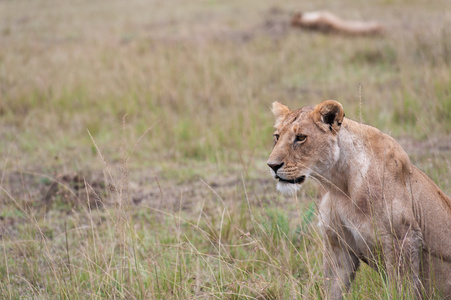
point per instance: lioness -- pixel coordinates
(379, 208)
(328, 22)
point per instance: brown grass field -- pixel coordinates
(134, 137)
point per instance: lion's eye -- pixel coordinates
(300, 138)
(276, 138)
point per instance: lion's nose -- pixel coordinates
(275, 167)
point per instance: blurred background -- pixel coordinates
(166, 105)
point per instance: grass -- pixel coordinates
(170, 196)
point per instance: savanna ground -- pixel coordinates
(134, 135)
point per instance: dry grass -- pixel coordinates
(182, 206)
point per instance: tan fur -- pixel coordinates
(379, 208)
(327, 22)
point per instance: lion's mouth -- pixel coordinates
(293, 181)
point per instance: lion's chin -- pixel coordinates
(287, 188)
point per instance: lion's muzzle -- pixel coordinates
(298, 180)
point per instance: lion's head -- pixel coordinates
(305, 143)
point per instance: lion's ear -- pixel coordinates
(328, 115)
(280, 111)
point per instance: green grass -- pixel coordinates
(176, 97)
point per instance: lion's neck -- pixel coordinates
(348, 174)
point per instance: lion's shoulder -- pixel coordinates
(379, 147)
